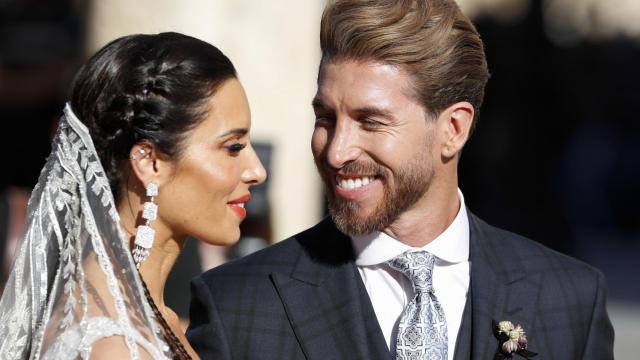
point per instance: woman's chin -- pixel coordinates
(228, 239)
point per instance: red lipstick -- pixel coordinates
(237, 205)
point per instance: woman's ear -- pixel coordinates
(149, 164)
(143, 159)
(456, 123)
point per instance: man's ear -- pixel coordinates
(147, 163)
(455, 125)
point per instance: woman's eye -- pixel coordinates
(236, 148)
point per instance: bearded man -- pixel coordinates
(401, 269)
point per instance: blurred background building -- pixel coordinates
(555, 156)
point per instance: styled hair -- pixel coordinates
(431, 40)
(146, 87)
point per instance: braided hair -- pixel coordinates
(146, 87)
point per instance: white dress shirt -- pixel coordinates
(390, 291)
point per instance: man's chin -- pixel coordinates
(354, 222)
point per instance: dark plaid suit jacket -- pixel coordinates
(304, 299)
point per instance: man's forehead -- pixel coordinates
(361, 83)
(363, 69)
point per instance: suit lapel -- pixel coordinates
(332, 316)
(326, 302)
(500, 288)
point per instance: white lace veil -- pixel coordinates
(74, 281)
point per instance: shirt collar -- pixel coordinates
(452, 245)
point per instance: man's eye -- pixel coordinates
(323, 121)
(370, 123)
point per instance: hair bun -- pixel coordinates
(115, 124)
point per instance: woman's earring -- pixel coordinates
(145, 234)
(141, 153)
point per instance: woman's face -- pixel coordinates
(208, 185)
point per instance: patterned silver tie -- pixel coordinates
(422, 331)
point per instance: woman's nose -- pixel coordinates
(255, 173)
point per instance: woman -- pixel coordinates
(154, 146)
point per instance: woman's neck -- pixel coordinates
(166, 247)
(155, 269)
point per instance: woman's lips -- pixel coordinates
(237, 205)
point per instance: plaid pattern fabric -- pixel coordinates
(559, 301)
(299, 299)
(303, 299)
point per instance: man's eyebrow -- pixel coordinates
(375, 111)
(317, 103)
(236, 131)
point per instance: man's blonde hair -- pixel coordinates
(430, 39)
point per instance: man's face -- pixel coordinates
(372, 144)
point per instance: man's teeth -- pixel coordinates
(240, 204)
(353, 183)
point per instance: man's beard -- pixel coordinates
(411, 182)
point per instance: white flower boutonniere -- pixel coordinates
(512, 340)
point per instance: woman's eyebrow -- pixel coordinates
(237, 131)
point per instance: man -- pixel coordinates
(401, 269)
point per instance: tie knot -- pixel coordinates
(417, 266)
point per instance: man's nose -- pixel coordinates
(343, 145)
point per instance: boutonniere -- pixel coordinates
(512, 340)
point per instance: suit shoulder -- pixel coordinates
(281, 256)
(535, 256)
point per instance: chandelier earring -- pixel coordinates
(145, 234)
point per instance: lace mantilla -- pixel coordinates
(74, 281)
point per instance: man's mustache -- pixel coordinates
(356, 167)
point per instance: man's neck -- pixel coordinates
(428, 218)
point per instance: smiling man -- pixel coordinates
(401, 269)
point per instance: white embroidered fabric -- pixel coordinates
(73, 282)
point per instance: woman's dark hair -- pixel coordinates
(146, 87)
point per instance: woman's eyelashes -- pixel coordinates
(235, 148)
